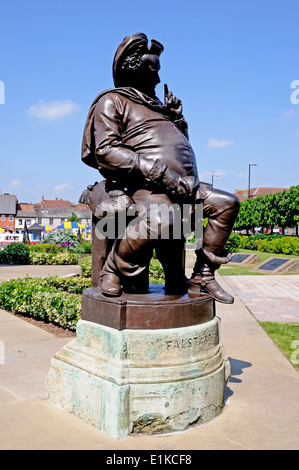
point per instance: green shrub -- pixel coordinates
(35, 298)
(280, 245)
(86, 269)
(15, 253)
(74, 284)
(156, 274)
(233, 243)
(86, 247)
(65, 238)
(46, 248)
(56, 259)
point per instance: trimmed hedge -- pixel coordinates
(74, 284)
(46, 248)
(277, 244)
(52, 258)
(34, 297)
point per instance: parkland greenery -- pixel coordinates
(270, 210)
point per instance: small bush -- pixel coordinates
(86, 247)
(233, 243)
(66, 239)
(86, 269)
(156, 274)
(46, 248)
(15, 253)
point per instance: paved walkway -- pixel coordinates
(20, 271)
(261, 410)
(272, 298)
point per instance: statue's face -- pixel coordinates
(149, 71)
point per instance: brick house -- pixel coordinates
(25, 214)
(8, 210)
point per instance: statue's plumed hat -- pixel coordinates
(128, 46)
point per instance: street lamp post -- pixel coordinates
(250, 165)
(213, 179)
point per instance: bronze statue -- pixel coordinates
(141, 147)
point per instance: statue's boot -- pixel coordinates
(127, 260)
(110, 282)
(203, 278)
(221, 209)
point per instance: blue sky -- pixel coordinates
(231, 63)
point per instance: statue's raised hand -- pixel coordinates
(172, 104)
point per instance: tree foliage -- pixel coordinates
(271, 210)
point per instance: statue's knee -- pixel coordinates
(161, 225)
(235, 203)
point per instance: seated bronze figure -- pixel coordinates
(141, 148)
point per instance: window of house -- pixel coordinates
(20, 222)
(3, 217)
(39, 221)
(51, 221)
(10, 218)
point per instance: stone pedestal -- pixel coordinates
(125, 381)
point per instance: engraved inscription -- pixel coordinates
(185, 342)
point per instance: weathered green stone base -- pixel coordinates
(140, 381)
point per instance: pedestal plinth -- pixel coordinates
(150, 311)
(150, 380)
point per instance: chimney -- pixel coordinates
(43, 202)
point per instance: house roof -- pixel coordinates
(8, 204)
(23, 214)
(25, 206)
(242, 194)
(62, 212)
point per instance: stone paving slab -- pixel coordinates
(8, 272)
(269, 298)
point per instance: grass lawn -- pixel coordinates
(286, 337)
(85, 259)
(246, 270)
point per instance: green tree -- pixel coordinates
(270, 218)
(245, 219)
(73, 218)
(257, 208)
(293, 206)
